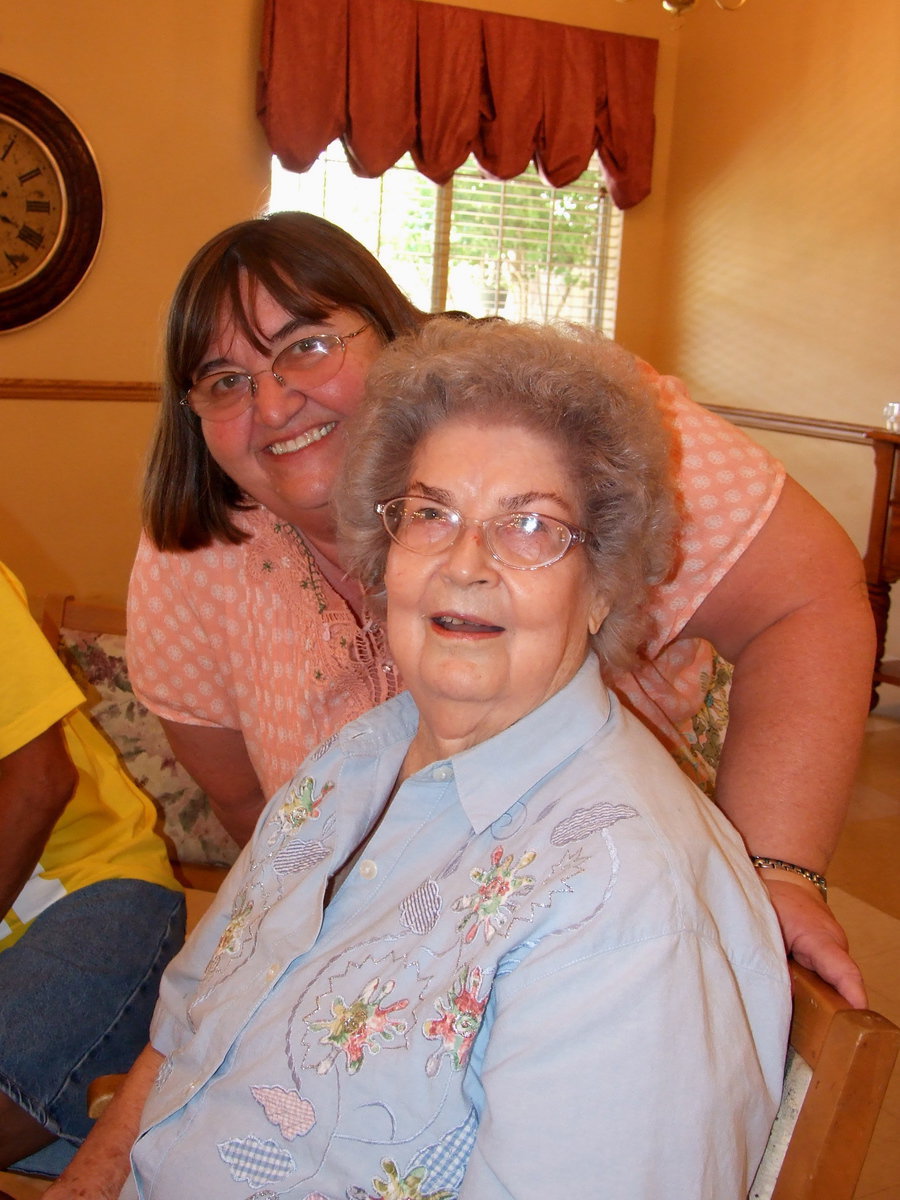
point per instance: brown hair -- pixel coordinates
(310, 267)
(571, 385)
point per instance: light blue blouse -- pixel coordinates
(552, 972)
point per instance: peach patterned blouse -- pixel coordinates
(252, 637)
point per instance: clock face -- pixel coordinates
(32, 204)
(51, 205)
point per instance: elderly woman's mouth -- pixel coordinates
(456, 624)
(305, 439)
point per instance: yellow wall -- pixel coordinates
(780, 263)
(164, 92)
(762, 268)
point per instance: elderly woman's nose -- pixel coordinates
(469, 557)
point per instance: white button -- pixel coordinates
(272, 972)
(387, 667)
(368, 869)
(442, 773)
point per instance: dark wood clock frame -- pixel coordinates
(36, 297)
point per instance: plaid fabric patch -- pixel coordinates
(447, 1159)
(251, 1160)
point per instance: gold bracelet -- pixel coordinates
(778, 864)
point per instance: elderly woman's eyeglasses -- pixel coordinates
(307, 363)
(522, 540)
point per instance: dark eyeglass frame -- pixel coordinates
(210, 411)
(577, 536)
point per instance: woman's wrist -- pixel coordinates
(777, 868)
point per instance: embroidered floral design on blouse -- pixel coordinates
(446, 1159)
(421, 908)
(166, 1068)
(300, 805)
(393, 1187)
(357, 1026)
(300, 856)
(584, 821)
(461, 1012)
(254, 1161)
(293, 1115)
(232, 939)
(489, 905)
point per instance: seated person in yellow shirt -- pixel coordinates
(90, 912)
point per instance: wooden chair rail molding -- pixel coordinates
(77, 389)
(882, 557)
(754, 418)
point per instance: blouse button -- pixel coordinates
(368, 869)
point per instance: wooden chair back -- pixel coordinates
(838, 1071)
(65, 612)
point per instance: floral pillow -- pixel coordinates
(98, 663)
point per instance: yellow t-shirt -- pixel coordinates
(106, 831)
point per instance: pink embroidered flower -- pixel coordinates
(489, 906)
(356, 1027)
(300, 805)
(459, 1022)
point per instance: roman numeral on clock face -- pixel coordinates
(31, 237)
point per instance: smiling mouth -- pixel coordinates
(305, 439)
(462, 625)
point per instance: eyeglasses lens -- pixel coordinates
(311, 361)
(522, 540)
(527, 539)
(307, 363)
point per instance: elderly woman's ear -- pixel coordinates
(597, 614)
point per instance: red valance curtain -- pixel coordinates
(387, 76)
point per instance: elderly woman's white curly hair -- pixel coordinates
(571, 385)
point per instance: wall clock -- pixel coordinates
(51, 205)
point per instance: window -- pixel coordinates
(519, 249)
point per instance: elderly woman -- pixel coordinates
(490, 941)
(249, 641)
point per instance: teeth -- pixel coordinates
(448, 622)
(307, 439)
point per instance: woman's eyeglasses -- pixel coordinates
(307, 363)
(522, 540)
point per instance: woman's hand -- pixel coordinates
(813, 936)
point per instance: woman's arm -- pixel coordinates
(217, 759)
(36, 784)
(99, 1169)
(793, 617)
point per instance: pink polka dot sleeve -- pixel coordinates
(178, 615)
(728, 485)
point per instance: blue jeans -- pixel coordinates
(77, 991)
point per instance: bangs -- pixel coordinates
(240, 288)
